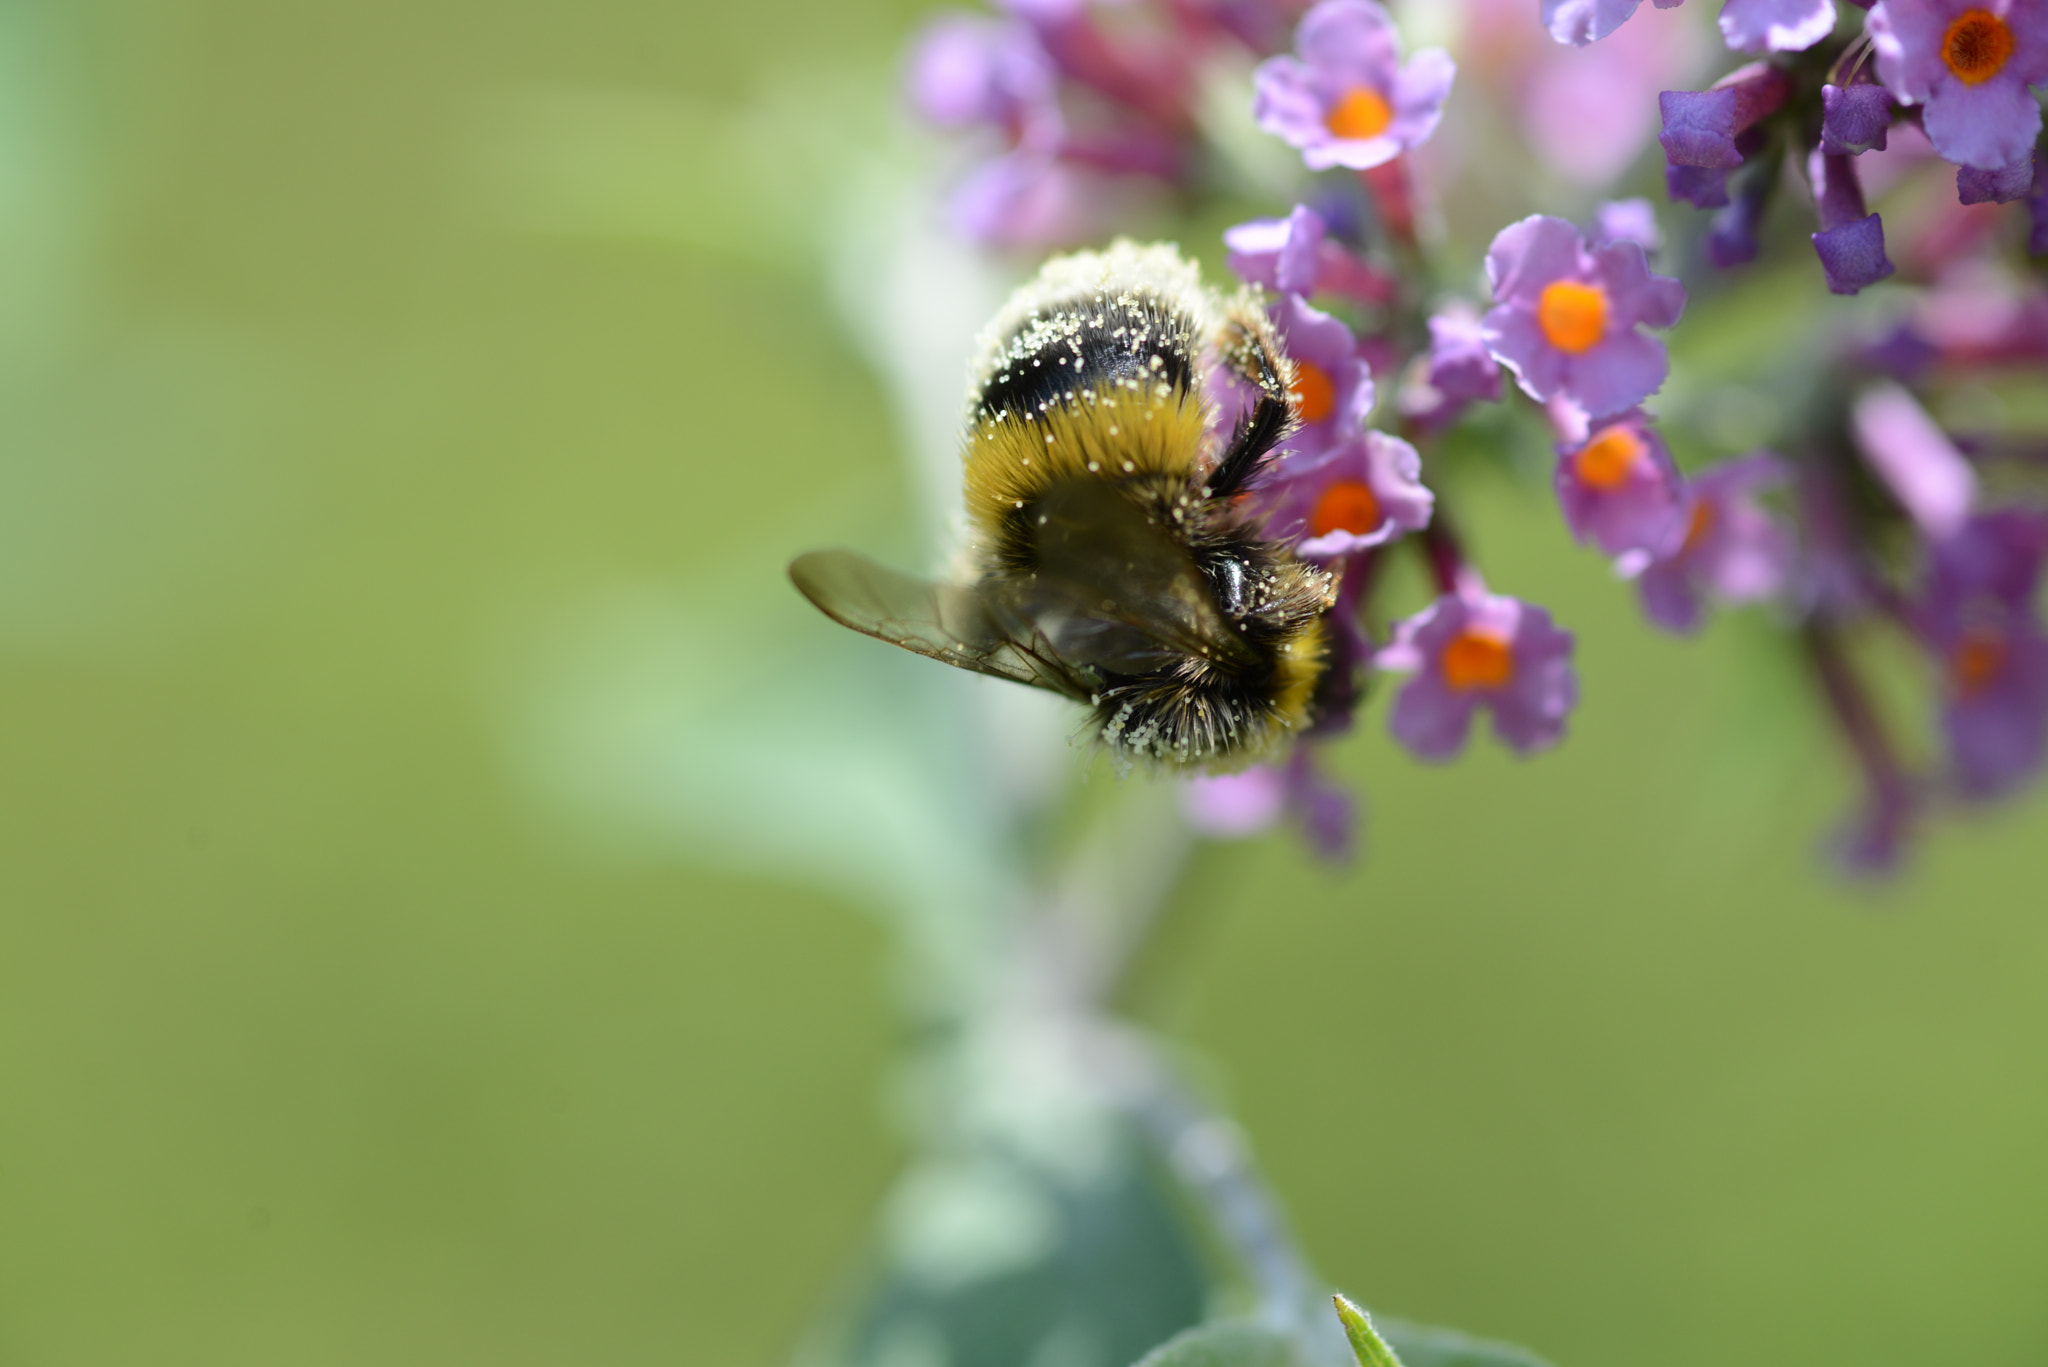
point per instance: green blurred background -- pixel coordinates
(362, 364)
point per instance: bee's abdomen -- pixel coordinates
(1134, 343)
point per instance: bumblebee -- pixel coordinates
(1111, 556)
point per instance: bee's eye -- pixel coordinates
(1229, 575)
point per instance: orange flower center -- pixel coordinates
(1313, 391)
(1478, 659)
(1573, 316)
(1976, 661)
(1362, 113)
(1696, 530)
(1976, 46)
(1605, 461)
(1346, 506)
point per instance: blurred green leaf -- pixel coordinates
(1423, 1346)
(1227, 1343)
(993, 1258)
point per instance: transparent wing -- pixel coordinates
(948, 622)
(1114, 589)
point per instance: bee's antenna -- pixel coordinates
(1258, 432)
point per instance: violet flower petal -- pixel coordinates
(1703, 187)
(1776, 25)
(1990, 125)
(1855, 118)
(1852, 255)
(1579, 22)
(1975, 185)
(1620, 371)
(1529, 254)
(1699, 128)
(1518, 343)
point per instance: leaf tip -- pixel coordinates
(1366, 1344)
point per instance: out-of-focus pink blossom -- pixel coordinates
(1628, 220)
(1914, 459)
(1732, 549)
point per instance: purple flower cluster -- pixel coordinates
(1967, 595)
(1344, 493)
(1870, 512)
(1079, 119)
(1963, 71)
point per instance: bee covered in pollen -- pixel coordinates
(1114, 560)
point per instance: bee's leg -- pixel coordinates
(1250, 348)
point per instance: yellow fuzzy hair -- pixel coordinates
(1129, 428)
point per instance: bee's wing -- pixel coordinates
(949, 622)
(1114, 589)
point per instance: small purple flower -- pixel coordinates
(1627, 220)
(1565, 318)
(1579, 22)
(1850, 242)
(1776, 25)
(969, 69)
(1970, 63)
(1701, 126)
(1333, 385)
(1461, 369)
(1347, 99)
(1474, 648)
(1620, 490)
(1852, 254)
(1294, 255)
(1976, 614)
(1361, 493)
(1975, 185)
(1732, 547)
(1232, 806)
(1854, 118)
(1914, 459)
